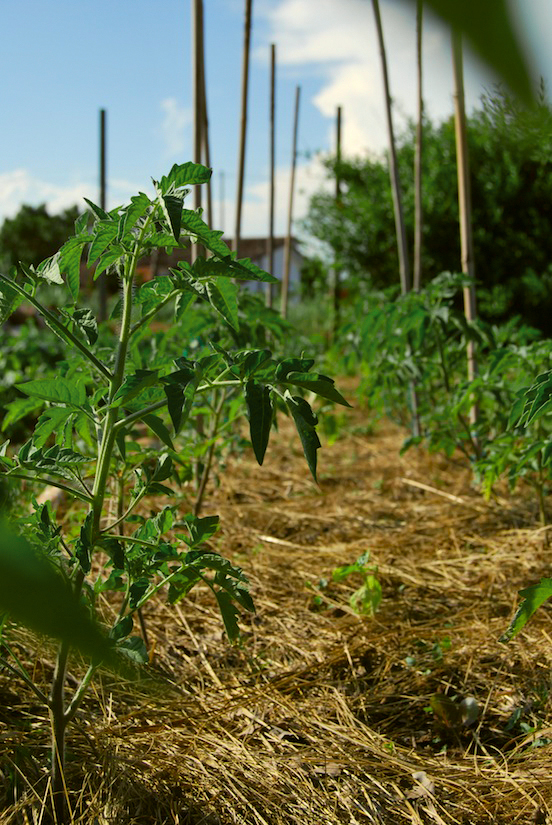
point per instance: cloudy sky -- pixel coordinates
(62, 61)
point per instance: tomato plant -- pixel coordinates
(107, 393)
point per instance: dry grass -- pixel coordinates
(321, 716)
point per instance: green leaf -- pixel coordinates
(292, 365)
(97, 211)
(305, 422)
(211, 238)
(229, 613)
(227, 267)
(81, 223)
(59, 390)
(319, 384)
(69, 262)
(20, 409)
(9, 300)
(185, 174)
(115, 253)
(49, 422)
(489, 28)
(158, 427)
(86, 322)
(223, 296)
(138, 208)
(260, 413)
(49, 270)
(163, 468)
(201, 529)
(180, 388)
(533, 597)
(39, 598)
(105, 232)
(253, 361)
(183, 301)
(172, 210)
(122, 628)
(135, 650)
(133, 385)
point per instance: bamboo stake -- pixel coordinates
(464, 203)
(197, 39)
(206, 154)
(336, 278)
(102, 288)
(404, 269)
(418, 209)
(243, 127)
(287, 247)
(270, 240)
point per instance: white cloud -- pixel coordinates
(176, 127)
(20, 186)
(339, 43)
(309, 178)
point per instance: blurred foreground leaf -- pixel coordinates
(36, 596)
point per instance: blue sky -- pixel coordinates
(62, 61)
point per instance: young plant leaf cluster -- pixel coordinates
(112, 420)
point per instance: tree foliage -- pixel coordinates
(512, 209)
(33, 234)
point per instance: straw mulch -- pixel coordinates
(320, 716)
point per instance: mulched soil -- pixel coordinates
(321, 716)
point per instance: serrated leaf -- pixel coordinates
(19, 409)
(210, 238)
(69, 262)
(51, 420)
(292, 365)
(229, 613)
(81, 223)
(183, 301)
(104, 233)
(532, 598)
(223, 296)
(135, 650)
(9, 300)
(59, 390)
(253, 361)
(133, 385)
(201, 529)
(172, 210)
(49, 270)
(158, 427)
(115, 253)
(260, 413)
(39, 598)
(97, 211)
(163, 468)
(319, 384)
(122, 628)
(305, 422)
(86, 322)
(138, 208)
(185, 174)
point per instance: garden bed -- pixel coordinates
(320, 715)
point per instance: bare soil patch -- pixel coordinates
(320, 716)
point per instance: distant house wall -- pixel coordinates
(261, 259)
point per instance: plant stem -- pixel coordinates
(209, 460)
(60, 328)
(56, 706)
